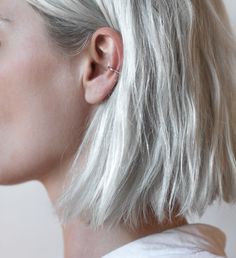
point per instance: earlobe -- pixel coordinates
(105, 56)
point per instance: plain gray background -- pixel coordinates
(30, 229)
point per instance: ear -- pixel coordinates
(104, 49)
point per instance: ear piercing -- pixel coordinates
(113, 70)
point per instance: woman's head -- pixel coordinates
(164, 139)
(36, 92)
(46, 94)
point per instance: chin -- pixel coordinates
(8, 178)
(22, 172)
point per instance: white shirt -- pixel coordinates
(188, 241)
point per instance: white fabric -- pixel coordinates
(188, 241)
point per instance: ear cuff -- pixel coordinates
(113, 70)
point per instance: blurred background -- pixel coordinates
(29, 228)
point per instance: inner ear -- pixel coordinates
(98, 50)
(96, 70)
(93, 70)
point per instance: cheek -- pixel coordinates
(18, 77)
(26, 88)
(39, 115)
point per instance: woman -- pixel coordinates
(123, 109)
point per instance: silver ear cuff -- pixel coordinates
(113, 70)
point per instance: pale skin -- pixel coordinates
(45, 98)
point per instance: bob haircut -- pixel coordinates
(165, 139)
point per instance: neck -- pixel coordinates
(82, 241)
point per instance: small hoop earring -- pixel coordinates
(112, 69)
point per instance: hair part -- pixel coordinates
(165, 138)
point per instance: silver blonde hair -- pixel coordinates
(165, 139)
